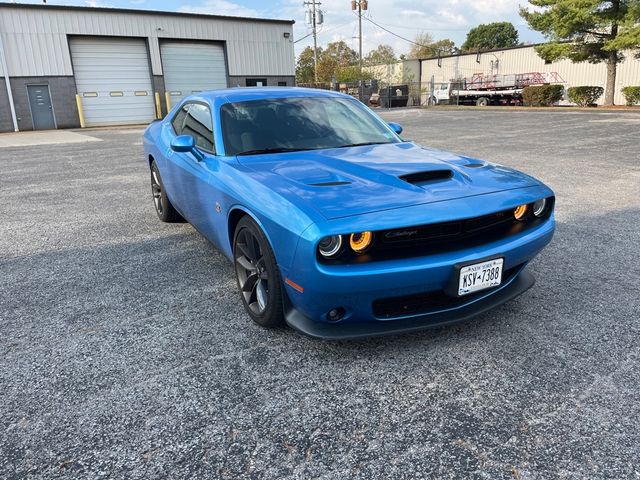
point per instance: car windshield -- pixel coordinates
(303, 123)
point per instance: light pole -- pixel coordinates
(359, 5)
(314, 18)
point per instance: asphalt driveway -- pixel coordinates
(125, 351)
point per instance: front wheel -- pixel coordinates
(257, 274)
(482, 102)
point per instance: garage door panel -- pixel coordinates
(191, 67)
(109, 72)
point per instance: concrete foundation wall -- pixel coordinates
(62, 91)
(6, 124)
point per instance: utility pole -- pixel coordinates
(314, 18)
(359, 5)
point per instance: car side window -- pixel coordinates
(199, 125)
(178, 119)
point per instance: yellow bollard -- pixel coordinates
(80, 110)
(158, 107)
(167, 99)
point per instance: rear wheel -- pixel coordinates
(257, 274)
(164, 208)
(482, 102)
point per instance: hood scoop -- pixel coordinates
(421, 178)
(329, 184)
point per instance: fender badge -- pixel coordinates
(218, 207)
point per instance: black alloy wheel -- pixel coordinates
(257, 274)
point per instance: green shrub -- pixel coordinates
(542, 95)
(631, 95)
(585, 96)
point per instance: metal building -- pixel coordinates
(125, 66)
(524, 59)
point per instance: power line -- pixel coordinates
(394, 34)
(306, 36)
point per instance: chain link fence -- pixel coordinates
(380, 94)
(377, 93)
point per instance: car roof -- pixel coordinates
(243, 94)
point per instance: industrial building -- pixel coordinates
(524, 59)
(432, 72)
(106, 66)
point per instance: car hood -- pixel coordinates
(341, 182)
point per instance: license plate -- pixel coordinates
(480, 276)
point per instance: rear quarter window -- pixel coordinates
(178, 120)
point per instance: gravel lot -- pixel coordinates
(125, 351)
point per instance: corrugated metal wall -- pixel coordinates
(35, 39)
(523, 60)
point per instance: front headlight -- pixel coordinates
(330, 246)
(360, 242)
(520, 212)
(539, 207)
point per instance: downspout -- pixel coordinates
(5, 69)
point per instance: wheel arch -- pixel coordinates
(235, 214)
(150, 159)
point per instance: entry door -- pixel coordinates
(41, 109)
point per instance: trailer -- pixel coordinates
(483, 90)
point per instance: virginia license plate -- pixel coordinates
(480, 276)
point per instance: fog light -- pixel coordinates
(520, 211)
(360, 242)
(539, 207)
(330, 246)
(336, 314)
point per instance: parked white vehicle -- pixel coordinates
(483, 90)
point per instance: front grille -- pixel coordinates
(429, 302)
(443, 237)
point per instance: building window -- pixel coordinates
(256, 82)
(282, 84)
(548, 62)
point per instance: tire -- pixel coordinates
(257, 274)
(165, 210)
(482, 102)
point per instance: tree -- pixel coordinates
(420, 48)
(592, 31)
(383, 55)
(304, 66)
(424, 47)
(334, 56)
(351, 73)
(342, 53)
(491, 36)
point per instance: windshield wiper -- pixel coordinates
(258, 151)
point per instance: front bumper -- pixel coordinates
(352, 330)
(357, 287)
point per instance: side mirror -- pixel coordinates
(186, 144)
(396, 127)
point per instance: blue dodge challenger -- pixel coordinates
(337, 225)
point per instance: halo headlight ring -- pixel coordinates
(360, 241)
(520, 212)
(330, 246)
(540, 207)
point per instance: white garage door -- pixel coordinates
(192, 67)
(113, 79)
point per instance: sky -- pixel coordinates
(442, 19)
